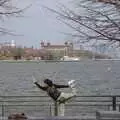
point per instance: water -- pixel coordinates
(94, 77)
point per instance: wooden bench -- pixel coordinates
(107, 115)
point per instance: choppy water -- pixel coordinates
(97, 77)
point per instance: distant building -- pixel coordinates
(12, 43)
(58, 50)
(8, 44)
(32, 54)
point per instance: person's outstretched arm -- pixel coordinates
(61, 86)
(39, 86)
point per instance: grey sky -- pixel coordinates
(37, 24)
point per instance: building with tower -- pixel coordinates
(58, 51)
(13, 44)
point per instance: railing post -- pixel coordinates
(3, 111)
(119, 108)
(50, 110)
(3, 108)
(114, 103)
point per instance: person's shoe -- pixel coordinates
(73, 85)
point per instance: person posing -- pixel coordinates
(57, 95)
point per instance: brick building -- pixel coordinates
(58, 51)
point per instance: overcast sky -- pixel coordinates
(37, 24)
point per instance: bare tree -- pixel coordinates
(93, 20)
(7, 10)
(113, 2)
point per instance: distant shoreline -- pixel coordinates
(38, 61)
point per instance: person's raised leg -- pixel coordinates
(66, 96)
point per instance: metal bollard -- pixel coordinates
(114, 103)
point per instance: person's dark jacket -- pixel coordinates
(52, 91)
